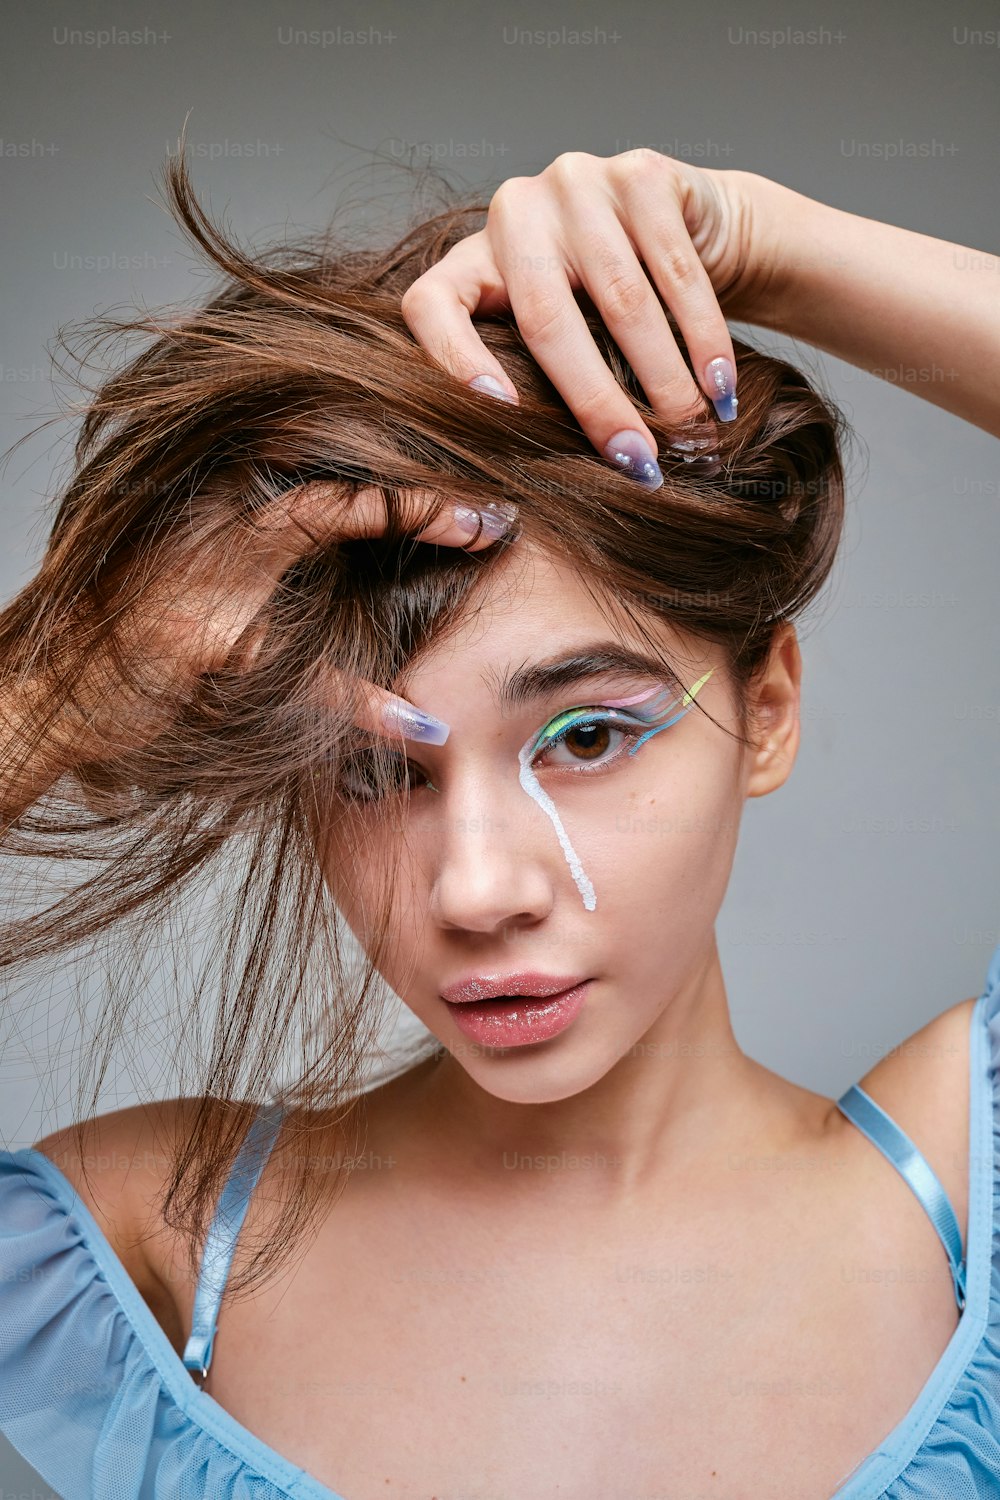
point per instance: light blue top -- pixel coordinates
(96, 1398)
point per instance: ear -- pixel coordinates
(774, 715)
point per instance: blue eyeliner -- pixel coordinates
(557, 728)
(653, 706)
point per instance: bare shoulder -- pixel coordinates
(923, 1083)
(117, 1164)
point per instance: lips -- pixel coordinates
(502, 1023)
(527, 984)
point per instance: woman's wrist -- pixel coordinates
(771, 223)
(917, 311)
(773, 235)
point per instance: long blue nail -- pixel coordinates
(630, 451)
(400, 717)
(721, 376)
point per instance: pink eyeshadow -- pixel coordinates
(625, 702)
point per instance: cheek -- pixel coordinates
(667, 846)
(348, 857)
(372, 876)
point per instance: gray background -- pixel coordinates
(866, 894)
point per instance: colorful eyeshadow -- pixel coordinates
(658, 701)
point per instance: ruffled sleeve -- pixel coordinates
(92, 1392)
(960, 1456)
(949, 1441)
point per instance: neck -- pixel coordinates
(683, 1096)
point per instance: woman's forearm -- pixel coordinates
(920, 312)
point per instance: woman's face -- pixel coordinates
(486, 884)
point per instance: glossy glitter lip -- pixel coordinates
(525, 982)
(518, 1020)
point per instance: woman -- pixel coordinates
(553, 1255)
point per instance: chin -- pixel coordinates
(539, 1074)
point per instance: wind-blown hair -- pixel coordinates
(301, 369)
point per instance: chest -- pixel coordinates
(418, 1352)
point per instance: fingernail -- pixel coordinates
(496, 519)
(400, 717)
(630, 451)
(721, 377)
(692, 449)
(492, 387)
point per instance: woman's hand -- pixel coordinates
(921, 312)
(194, 622)
(192, 626)
(616, 227)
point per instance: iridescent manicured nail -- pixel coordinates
(492, 387)
(400, 717)
(497, 519)
(692, 450)
(630, 451)
(721, 378)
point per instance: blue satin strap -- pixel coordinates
(872, 1120)
(224, 1230)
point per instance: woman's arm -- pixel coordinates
(919, 312)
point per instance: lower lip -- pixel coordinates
(515, 1023)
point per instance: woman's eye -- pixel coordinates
(364, 777)
(568, 740)
(587, 739)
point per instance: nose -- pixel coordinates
(492, 867)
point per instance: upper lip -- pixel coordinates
(488, 986)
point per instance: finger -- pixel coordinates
(374, 709)
(386, 714)
(622, 293)
(661, 237)
(317, 514)
(438, 309)
(553, 326)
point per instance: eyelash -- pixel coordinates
(633, 730)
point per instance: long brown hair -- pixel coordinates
(301, 369)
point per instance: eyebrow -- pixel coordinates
(540, 679)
